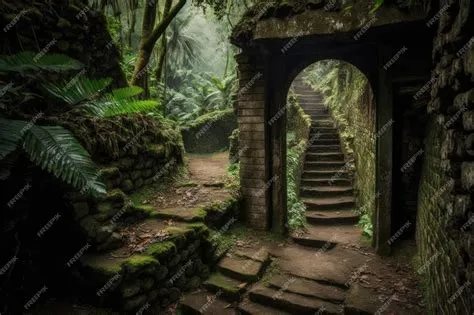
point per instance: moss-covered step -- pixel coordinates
(242, 268)
(205, 303)
(232, 289)
(195, 214)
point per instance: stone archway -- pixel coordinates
(272, 57)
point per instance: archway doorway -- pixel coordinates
(331, 150)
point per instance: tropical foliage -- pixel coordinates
(52, 147)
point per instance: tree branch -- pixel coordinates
(160, 28)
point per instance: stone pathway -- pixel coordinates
(326, 269)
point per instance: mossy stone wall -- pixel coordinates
(445, 197)
(210, 133)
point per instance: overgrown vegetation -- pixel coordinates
(298, 124)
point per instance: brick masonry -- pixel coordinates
(251, 120)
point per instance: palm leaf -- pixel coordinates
(55, 149)
(28, 60)
(78, 89)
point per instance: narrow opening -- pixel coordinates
(331, 157)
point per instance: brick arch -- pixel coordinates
(266, 72)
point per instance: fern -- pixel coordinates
(28, 61)
(10, 135)
(78, 90)
(126, 92)
(55, 150)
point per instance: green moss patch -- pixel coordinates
(161, 250)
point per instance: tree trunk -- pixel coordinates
(149, 38)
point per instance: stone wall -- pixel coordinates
(138, 151)
(209, 133)
(67, 27)
(251, 120)
(445, 207)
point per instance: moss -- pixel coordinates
(223, 283)
(139, 262)
(102, 265)
(209, 133)
(161, 250)
(200, 228)
(109, 172)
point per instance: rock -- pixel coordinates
(467, 175)
(194, 282)
(113, 242)
(90, 226)
(135, 303)
(107, 209)
(147, 283)
(81, 209)
(149, 163)
(138, 183)
(125, 163)
(147, 173)
(174, 294)
(127, 185)
(161, 273)
(135, 174)
(129, 290)
(468, 120)
(103, 233)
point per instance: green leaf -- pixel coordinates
(30, 61)
(56, 150)
(11, 132)
(79, 89)
(126, 92)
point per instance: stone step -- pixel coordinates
(325, 181)
(326, 191)
(332, 217)
(316, 117)
(321, 136)
(325, 148)
(242, 268)
(326, 237)
(324, 165)
(332, 175)
(325, 156)
(317, 140)
(332, 130)
(204, 303)
(312, 111)
(231, 289)
(308, 288)
(251, 308)
(322, 123)
(332, 203)
(292, 303)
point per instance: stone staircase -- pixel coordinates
(326, 183)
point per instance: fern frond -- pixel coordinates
(126, 92)
(11, 132)
(28, 60)
(56, 150)
(77, 90)
(128, 107)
